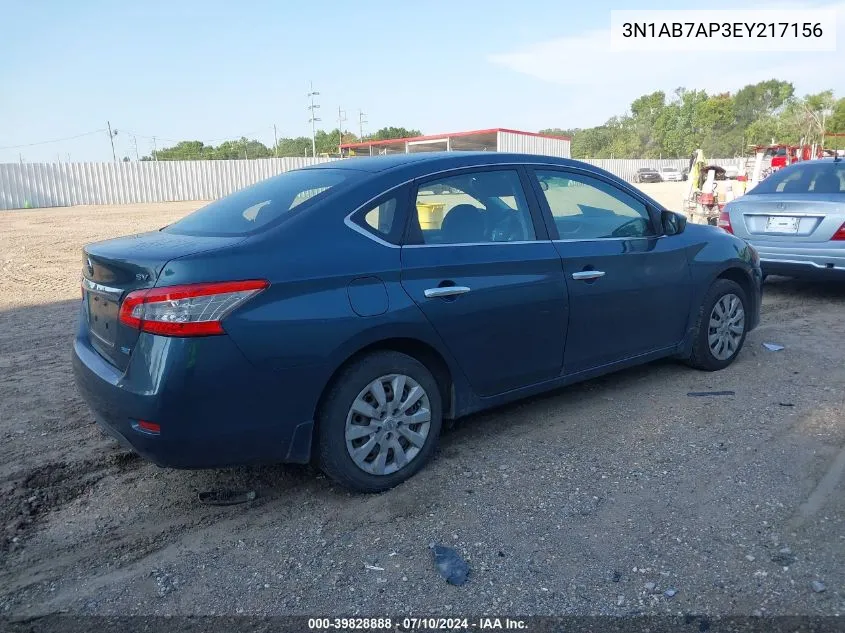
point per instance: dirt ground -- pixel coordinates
(597, 499)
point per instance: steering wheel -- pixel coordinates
(507, 230)
(631, 228)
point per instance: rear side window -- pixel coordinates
(473, 208)
(255, 208)
(381, 217)
(810, 178)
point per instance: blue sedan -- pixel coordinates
(338, 314)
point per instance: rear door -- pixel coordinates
(629, 286)
(478, 262)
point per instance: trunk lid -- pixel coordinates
(113, 268)
(792, 217)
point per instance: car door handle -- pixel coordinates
(445, 291)
(587, 275)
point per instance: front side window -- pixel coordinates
(475, 207)
(249, 210)
(585, 208)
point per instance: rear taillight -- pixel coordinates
(149, 427)
(839, 236)
(189, 310)
(724, 222)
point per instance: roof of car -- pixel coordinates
(440, 160)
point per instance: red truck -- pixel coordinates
(782, 155)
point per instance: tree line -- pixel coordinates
(722, 125)
(326, 143)
(655, 126)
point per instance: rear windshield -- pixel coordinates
(810, 177)
(252, 209)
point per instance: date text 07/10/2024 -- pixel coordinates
(416, 624)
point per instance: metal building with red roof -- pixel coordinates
(492, 140)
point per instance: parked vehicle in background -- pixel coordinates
(647, 174)
(327, 315)
(780, 155)
(671, 174)
(795, 218)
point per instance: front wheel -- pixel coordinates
(722, 326)
(379, 422)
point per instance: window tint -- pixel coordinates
(807, 177)
(250, 209)
(474, 207)
(586, 208)
(380, 218)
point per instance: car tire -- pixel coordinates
(726, 345)
(337, 420)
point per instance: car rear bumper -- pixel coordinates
(214, 408)
(824, 261)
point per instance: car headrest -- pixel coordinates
(463, 223)
(827, 182)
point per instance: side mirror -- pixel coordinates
(673, 223)
(544, 185)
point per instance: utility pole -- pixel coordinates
(312, 107)
(361, 121)
(276, 141)
(155, 149)
(111, 140)
(135, 146)
(341, 117)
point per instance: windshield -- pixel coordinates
(810, 177)
(254, 208)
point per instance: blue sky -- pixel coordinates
(212, 70)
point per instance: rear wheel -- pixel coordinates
(379, 422)
(722, 326)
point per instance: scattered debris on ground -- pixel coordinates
(450, 564)
(698, 394)
(224, 497)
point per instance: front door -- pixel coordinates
(479, 265)
(629, 285)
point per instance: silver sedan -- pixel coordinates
(795, 219)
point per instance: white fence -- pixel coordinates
(66, 184)
(627, 167)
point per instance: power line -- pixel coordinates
(205, 140)
(312, 107)
(341, 117)
(56, 140)
(361, 121)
